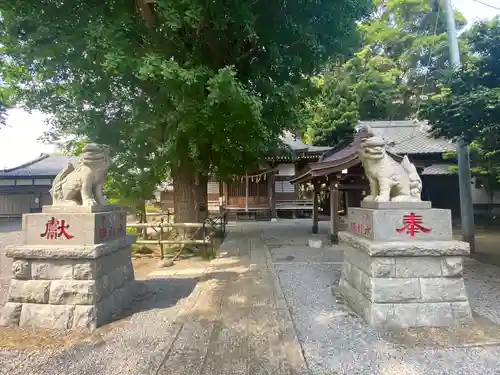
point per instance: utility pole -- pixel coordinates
(464, 175)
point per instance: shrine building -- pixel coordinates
(338, 181)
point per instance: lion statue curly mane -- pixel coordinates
(389, 180)
(84, 184)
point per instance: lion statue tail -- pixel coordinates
(415, 181)
(56, 191)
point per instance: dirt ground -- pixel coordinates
(42, 339)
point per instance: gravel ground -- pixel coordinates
(336, 342)
(131, 348)
(124, 347)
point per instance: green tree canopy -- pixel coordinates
(205, 87)
(401, 59)
(468, 104)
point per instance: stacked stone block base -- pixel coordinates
(405, 284)
(69, 287)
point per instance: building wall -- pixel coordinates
(286, 169)
(258, 194)
(486, 202)
(481, 193)
(18, 200)
(284, 190)
(167, 200)
(442, 191)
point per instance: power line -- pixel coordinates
(486, 4)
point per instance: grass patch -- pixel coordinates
(152, 209)
(132, 231)
(143, 249)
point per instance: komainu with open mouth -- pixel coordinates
(389, 180)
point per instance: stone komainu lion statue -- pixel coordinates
(83, 185)
(389, 180)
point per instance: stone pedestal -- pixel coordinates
(402, 268)
(73, 270)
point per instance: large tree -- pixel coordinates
(468, 102)
(403, 54)
(206, 86)
(331, 114)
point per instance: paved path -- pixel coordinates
(239, 322)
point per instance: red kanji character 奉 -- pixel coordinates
(56, 228)
(413, 224)
(102, 229)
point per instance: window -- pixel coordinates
(213, 187)
(284, 187)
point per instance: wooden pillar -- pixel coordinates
(315, 213)
(225, 194)
(346, 201)
(334, 207)
(271, 187)
(221, 196)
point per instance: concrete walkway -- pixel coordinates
(238, 321)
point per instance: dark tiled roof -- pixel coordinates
(295, 144)
(437, 169)
(340, 152)
(318, 148)
(409, 137)
(43, 166)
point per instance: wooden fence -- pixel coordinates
(206, 230)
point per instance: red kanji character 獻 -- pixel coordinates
(368, 231)
(55, 228)
(413, 224)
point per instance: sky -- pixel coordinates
(19, 140)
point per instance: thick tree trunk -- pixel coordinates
(190, 196)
